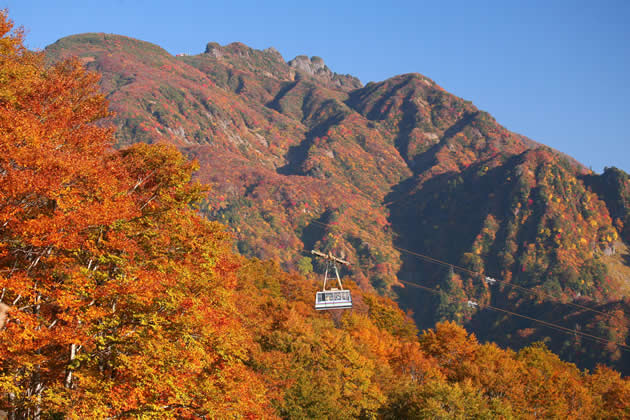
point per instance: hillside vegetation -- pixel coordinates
(300, 157)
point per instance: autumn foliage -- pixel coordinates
(120, 295)
(123, 302)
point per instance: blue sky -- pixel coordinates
(555, 71)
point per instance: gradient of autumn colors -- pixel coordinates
(125, 303)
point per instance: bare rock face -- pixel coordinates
(270, 61)
(213, 48)
(273, 52)
(316, 68)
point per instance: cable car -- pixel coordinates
(335, 297)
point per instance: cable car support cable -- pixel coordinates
(486, 278)
(548, 324)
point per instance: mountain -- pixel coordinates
(300, 157)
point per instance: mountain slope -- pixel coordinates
(300, 157)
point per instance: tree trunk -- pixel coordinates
(73, 353)
(4, 309)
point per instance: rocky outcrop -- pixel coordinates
(316, 68)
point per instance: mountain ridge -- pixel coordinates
(300, 159)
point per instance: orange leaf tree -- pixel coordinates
(120, 297)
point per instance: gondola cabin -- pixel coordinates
(333, 298)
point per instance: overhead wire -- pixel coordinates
(540, 321)
(515, 286)
(476, 273)
(512, 313)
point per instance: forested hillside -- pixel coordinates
(300, 157)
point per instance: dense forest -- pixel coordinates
(122, 300)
